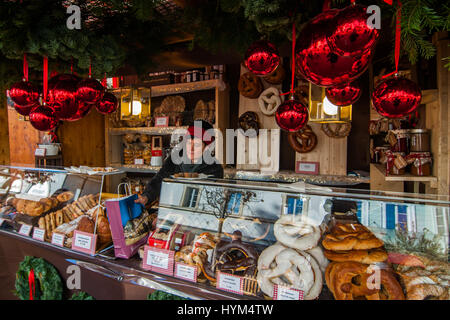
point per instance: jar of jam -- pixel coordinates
(396, 163)
(419, 140)
(402, 141)
(420, 163)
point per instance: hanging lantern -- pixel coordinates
(43, 118)
(344, 95)
(396, 97)
(349, 34)
(62, 98)
(291, 115)
(324, 110)
(83, 110)
(24, 94)
(90, 91)
(108, 104)
(317, 63)
(262, 58)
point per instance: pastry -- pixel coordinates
(269, 101)
(103, 230)
(85, 224)
(303, 141)
(250, 86)
(59, 218)
(277, 76)
(249, 120)
(294, 232)
(65, 196)
(351, 237)
(336, 130)
(362, 256)
(33, 208)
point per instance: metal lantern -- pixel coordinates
(135, 102)
(321, 110)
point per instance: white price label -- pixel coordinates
(58, 239)
(40, 152)
(158, 259)
(38, 234)
(229, 283)
(25, 229)
(83, 241)
(286, 293)
(161, 121)
(309, 167)
(138, 161)
(186, 272)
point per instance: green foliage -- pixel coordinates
(161, 295)
(81, 295)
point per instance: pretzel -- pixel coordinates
(249, 120)
(295, 233)
(301, 93)
(250, 86)
(277, 76)
(270, 100)
(303, 141)
(340, 130)
(351, 237)
(318, 254)
(362, 256)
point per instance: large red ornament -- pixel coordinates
(349, 34)
(262, 58)
(83, 110)
(25, 111)
(62, 98)
(396, 97)
(292, 115)
(43, 118)
(317, 63)
(344, 95)
(108, 104)
(24, 94)
(90, 91)
(62, 77)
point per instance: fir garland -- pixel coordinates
(161, 295)
(81, 295)
(48, 282)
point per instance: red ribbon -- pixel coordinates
(398, 31)
(104, 82)
(293, 62)
(25, 67)
(31, 284)
(90, 67)
(45, 78)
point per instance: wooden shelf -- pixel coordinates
(137, 168)
(178, 88)
(405, 177)
(153, 131)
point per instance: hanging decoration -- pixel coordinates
(83, 110)
(108, 104)
(62, 97)
(43, 118)
(396, 97)
(349, 34)
(292, 115)
(344, 95)
(24, 94)
(262, 58)
(90, 91)
(318, 63)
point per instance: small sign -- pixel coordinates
(138, 161)
(25, 229)
(286, 293)
(230, 283)
(305, 167)
(186, 272)
(84, 242)
(40, 152)
(58, 239)
(161, 121)
(38, 234)
(158, 260)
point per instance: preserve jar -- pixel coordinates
(402, 141)
(420, 163)
(396, 163)
(419, 140)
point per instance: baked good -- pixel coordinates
(277, 76)
(201, 111)
(269, 101)
(295, 232)
(358, 239)
(103, 230)
(65, 196)
(59, 218)
(336, 130)
(363, 256)
(85, 224)
(249, 120)
(303, 141)
(250, 86)
(33, 208)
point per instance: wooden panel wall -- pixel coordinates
(4, 136)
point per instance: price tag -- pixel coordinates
(286, 293)
(84, 242)
(138, 161)
(161, 121)
(1, 221)
(158, 260)
(230, 283)
(186, 272)
(307, 167)
(58, 239)
(40, 152)
(25, 229)
(38, 234)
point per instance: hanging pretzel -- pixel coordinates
(277, 76)
(303, 141)
(250, 86)
(337, 130)
(249, 120)
(270, 100)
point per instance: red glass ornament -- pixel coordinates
(262, 58)
(62, 98)
(90, 91)
(396, 97)
(24, 94)
(25, 111)
(349, 34)
(83, 110)
(317, 63)
(292, 115)
(108, 104)
(344, 95)
(43, 118)
(62, 77)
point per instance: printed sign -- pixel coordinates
(84, 242)
(158, 260)
(38, 234)
(161, 121)
(230, 283)
(286, 293)
(25, 229)
(138, 161)
(58, 239)
(186, 272)
(40, 152)
(305, 167)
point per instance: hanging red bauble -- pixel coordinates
(24, 111)
(292, 115)
(349, 34)
(396, 97)
(262, 58)
(344, 95)
(24, 94)
(62, 98)
(108, 104)
(317, 63)
(43, 118)
(62, 77)
(83, 110)
(90, 91)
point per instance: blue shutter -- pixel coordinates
(390, 216)
(358, 212)
(402, 217)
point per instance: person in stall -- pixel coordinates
(198, 148)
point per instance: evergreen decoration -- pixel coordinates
(48, 284)
(81, 295)
(161, 295)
